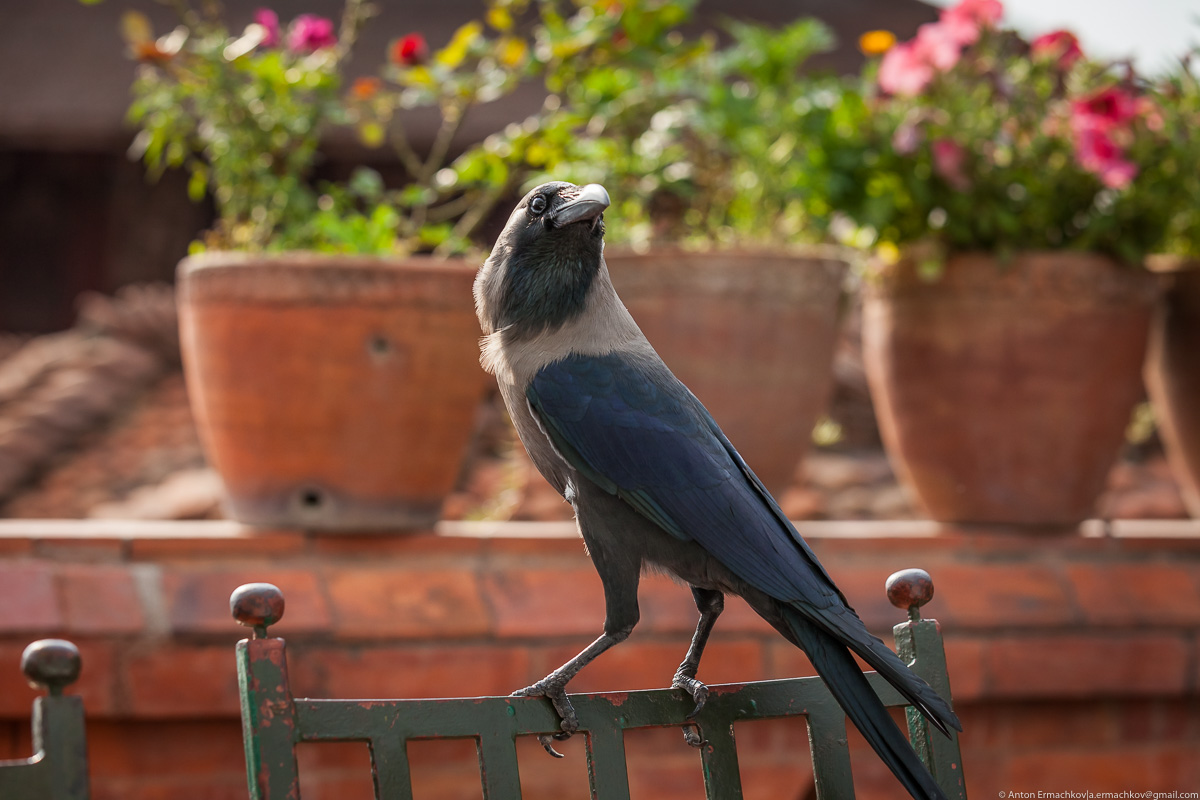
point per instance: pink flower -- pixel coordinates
(1060, 45)
(980, 13)
(948, 160)
(906, 138)
(936, 43)
(1098, 153)
(904, 70)
(270, 22)
(961, 23)
(310, 32)
(908, 68)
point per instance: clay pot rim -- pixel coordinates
(308, 259)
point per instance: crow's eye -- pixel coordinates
(537, 205)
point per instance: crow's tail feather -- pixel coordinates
(845, 626)
(850, 688)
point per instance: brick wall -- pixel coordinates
(1075, 661)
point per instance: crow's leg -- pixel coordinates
(711, 603)
(620, 578)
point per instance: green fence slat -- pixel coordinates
(268, 719)
(607, 770)
(830, 755)
(390, 768)
(498, 768)
(719, 762)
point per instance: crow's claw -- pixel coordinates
(557, 695)
(699, 693)
(695, 688)
(545, 740)
(691, 735)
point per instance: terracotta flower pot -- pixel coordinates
(1003, 391)
(1173, 380)
(331, 392)
(751, 334)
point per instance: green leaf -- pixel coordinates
(198, 183)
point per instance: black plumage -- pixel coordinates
(653, 480)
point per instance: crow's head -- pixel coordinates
(544, 262)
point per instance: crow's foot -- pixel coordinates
(699, 693)
(557, 695)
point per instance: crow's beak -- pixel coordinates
(588, 204)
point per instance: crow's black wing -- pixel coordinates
(637, 432)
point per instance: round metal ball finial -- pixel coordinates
(910, 589)
(51, 663)
(257, 605)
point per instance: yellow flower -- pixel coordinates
(512, 51)
(887, 252)
(872, 43)
(499, 18)
(453, 53)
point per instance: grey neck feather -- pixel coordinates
(601, 326)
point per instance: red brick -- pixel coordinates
(392, 546)
(99, 599)
(648, 664)
(28, 602)
(185, 542)
(1000, 594)
(964, 663)
(81, 548)
(96, 684)
(197, 598)
(155, 749)
(545, 603)
(1033, 724)
(15, 546)
(864, 590)
(173, 681)
(1080, 665)
(444, 769)
(668, 607)
(1127, 594)
(1161, 767)
(403, 672)
(429, 603)
(785, 660)
(534, 540)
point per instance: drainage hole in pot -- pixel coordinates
(312, 498)
(379, 347)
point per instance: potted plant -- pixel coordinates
(1172, 366)
(331, 360)
(1010, 191)
(702, 151)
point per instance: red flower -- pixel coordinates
(1098, 153)
(1106, 109)
(270, 22)
(948, 160)
(309, 33)
(1060, 45)
(409, 50)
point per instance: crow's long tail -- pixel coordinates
(850, 688)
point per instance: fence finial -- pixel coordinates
(910, 589)
(257, 605)
(52, 664)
